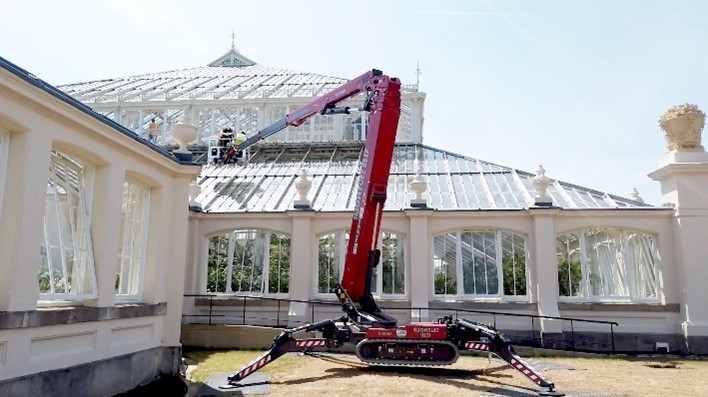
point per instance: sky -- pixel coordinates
(576, 86)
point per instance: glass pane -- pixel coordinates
(328, 262)
(246, 273)
(132, 237)
(445, 264)
(479, 269)
(569, 265)
(514, 264)
(640, 257)
(217, 263)
(67, 267)
(605, 263)
(392, 264)
(279, 264)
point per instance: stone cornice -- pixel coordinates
(620, 307)
(44, 317)
(673, 169)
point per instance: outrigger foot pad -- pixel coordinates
(550, 392)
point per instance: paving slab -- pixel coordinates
(257, 383)
(511, 391)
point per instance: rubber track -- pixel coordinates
(406, 362)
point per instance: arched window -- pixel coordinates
(249, 261)
(389, 278)
(479, 263)
(67, 268)
(603, 263)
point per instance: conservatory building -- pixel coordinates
(458, 232)
(123, 238)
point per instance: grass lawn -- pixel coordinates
(344, 375)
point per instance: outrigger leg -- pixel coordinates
(498, 344)
(285, 343)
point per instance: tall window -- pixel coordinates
(479, 263)
(606, 264)
(133, 240)
(331, 254)
(389, 276)
(67, 268)
(4, 147)
(249, 261)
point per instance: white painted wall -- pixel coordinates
(38, 122)
(539, 225)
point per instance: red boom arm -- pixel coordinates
(373, 181)
(383, 102)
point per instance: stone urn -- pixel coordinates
(682, 126)
(184, 132)
(418, 186)
(541, 183)
(302, 186)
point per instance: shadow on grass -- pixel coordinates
(451, 376)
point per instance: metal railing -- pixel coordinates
(248, 310)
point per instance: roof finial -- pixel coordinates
(417, 73)
(233, 39)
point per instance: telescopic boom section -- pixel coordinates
(373, 181)
(326, 104)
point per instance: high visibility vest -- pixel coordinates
(240, 138)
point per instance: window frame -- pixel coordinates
(377, 290)
(265, 266)
(628, 268)
(460, 294)
(84, 196)
(145, 192)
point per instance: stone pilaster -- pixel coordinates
(545, 271)
(302, 263)
(420, 259)
(683, 174)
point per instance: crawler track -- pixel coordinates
(407, 352)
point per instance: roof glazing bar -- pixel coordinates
(483, 181)
(565, 194)
(450, 184)
(520, 184)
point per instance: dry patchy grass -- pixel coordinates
(346, 376)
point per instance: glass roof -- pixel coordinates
(455, 182)
(253, 81)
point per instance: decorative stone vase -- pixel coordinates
(682, 126)
(635, 196)
(184, 132)
(302, 186)
(541, 183)
(418, 186)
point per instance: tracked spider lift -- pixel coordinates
(376, 336)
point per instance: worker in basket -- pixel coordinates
(226, 135)
(235, 150)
